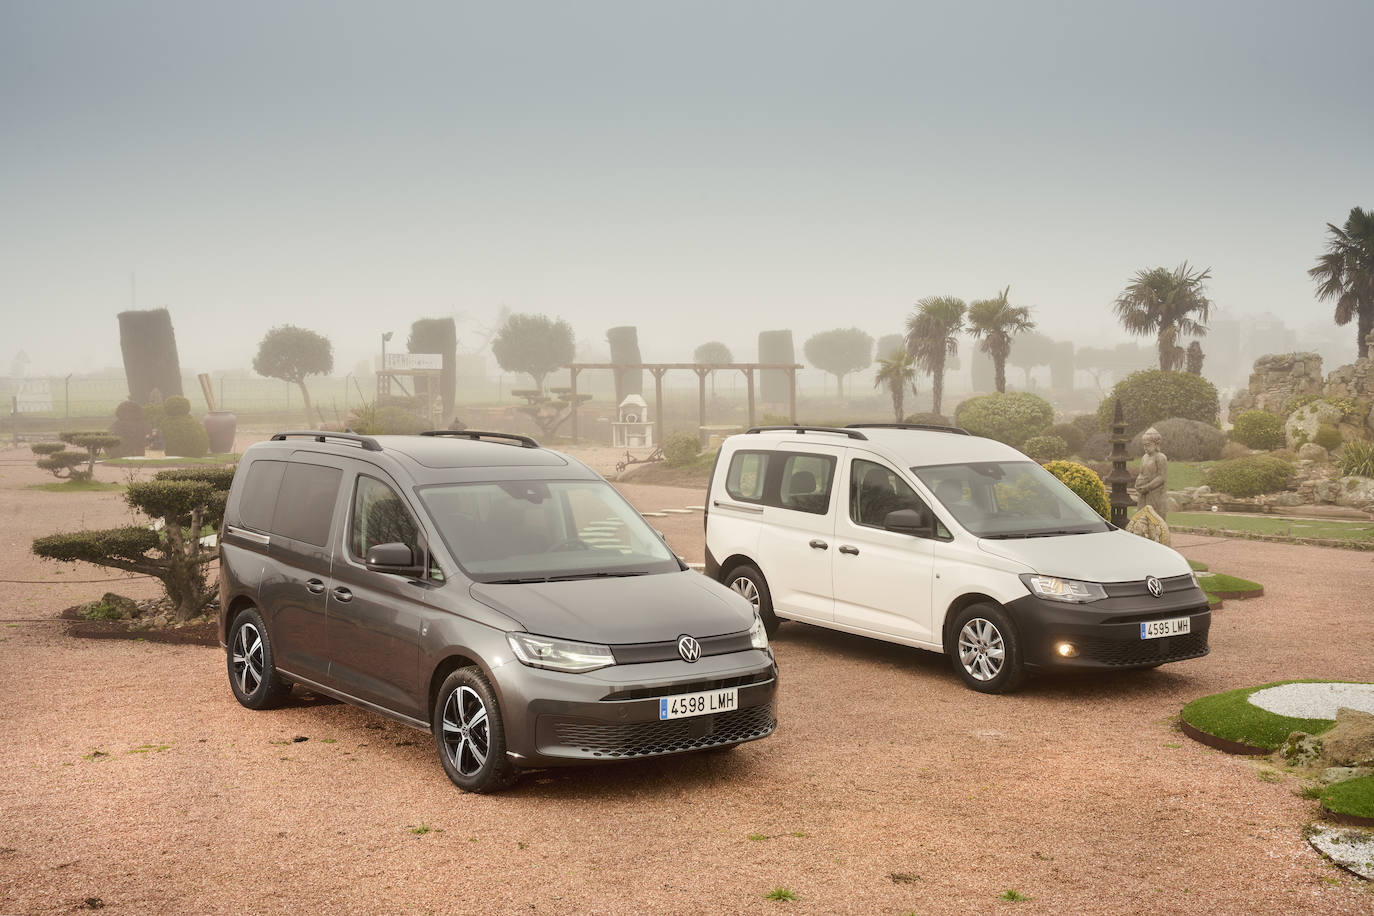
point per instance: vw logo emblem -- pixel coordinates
(689, 649)
(1155, 586)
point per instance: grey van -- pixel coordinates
(501, 595)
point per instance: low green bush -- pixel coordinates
(1234, 450)
(182, 434)
(1085, 483)
(1041, 449)
(1328, 437)
(1250, 476)
(1097, 447)
(1258, 429)
(1184, 440)
(680, 448)
(1073, 436)
(1012, 417)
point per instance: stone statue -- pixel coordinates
(1151, 483)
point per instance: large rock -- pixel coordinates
(1275, 379)
(1350, 742)
(1311, 451)
(1148, 524)
(1355, 492)
(1302, 426)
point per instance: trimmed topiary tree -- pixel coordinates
(132, 428)
(1185, 440)
(182, 435)
(64, 463)
(439, 335)
(1085, 484)
(1012, 417)
(1153, 395)
(149, 347)
(187, 502)
(1041, 449)
(1250, 476)
(1258, 429)
(680, 449)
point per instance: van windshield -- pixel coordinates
(542, 530)
(1009, 499)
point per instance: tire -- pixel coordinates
(985, 649)
(252, 673)
(469, 733)
(747, 581)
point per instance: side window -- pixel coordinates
(875, 490)
(379, 517)
(259, 498)
(805, 483)
(746, 476)
(305, 503)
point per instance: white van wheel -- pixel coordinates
(986, 650)
(749, 583)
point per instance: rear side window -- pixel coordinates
(748, 471)
(259, 499)
(305, 506)
(805, 483)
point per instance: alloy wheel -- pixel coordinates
(466, 736)
(248, 658)
(981, 649)
(746, 587)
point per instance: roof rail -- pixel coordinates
(853, 434)
(478, 434)
(367, 442)
(928, 427)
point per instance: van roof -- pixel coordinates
(908, 447)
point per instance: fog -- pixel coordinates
(704, 171)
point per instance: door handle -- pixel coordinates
(315, 586)
(343, 594)
(846, 548)
(820, 545)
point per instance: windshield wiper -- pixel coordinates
(569, 577)
(1035, 534)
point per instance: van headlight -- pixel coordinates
(559, 654)
(1069, 590)
(758, 636)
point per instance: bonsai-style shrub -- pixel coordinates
(66, 463)
(1041, 449)
(680, 449)
(190, 504)
(1250, 476)
(293, 354)
(1012, 417)
(928, 419)
(1258, 429)
(1153, 395)
(132, 428)
(1085, 484)
(533, 344)
(1357, 459)
(181, 434)
(1186, 440)
(1073, 436)
(1328, 437)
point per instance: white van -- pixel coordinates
(930, 537)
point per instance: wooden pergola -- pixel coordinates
(702, 370)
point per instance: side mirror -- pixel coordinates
(915, 522)
(396, 559)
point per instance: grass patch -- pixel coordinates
(1232, 716)
(222, 458)
(1280, 526)
(695, 473)
(1354, 797)
(77, 486)
(421, 830)
(1181, 474)
(758, 837)
(1013, 895)
(1197, 565)
(781, 893)
(1219, 585)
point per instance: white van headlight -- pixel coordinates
(1070, 590)
(559, 654)
(758, 636)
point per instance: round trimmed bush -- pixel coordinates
(176, 406)
(1085, 484)
(1185, 440)
(1328, 437)
(1153, 395)
(1258, 429)
(1250, 476)
(1012, 417)
(1073, 436)
(182, 433)
(132, 428)
(681, 448)
(1041, 449)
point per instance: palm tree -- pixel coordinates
(1346, 273)
(898, 373)
(931, 337)
(1163, 302)
(993, 323)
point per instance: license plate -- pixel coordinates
(698, 704)
(1174, 626)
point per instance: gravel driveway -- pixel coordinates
(129, 774)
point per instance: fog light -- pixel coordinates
(1066, 650)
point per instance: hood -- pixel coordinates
(1105, 556)
(631, 609)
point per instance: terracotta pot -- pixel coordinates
(220, 426)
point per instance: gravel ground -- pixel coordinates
(1314, 701)
(129, 774)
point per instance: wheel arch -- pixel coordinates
(955, 608)
(728, 565)
(457, 658)
(235, 608)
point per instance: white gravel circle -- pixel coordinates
(1314, 701)
(1348, 848)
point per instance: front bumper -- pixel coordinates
(1106, 633)
(555, 718)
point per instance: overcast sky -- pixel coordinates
(704, 170)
